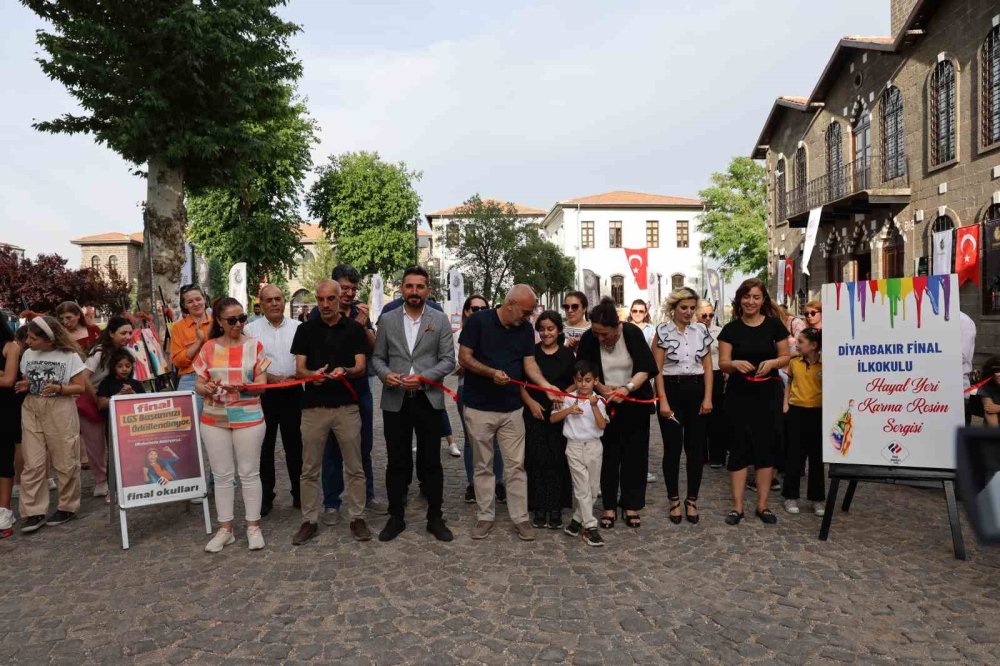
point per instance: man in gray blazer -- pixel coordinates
(413, 341)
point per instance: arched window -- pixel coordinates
(941, 102)
(990, 234)
(990, 94)
(893, 254)
(779, 189)
(95, 262)
(676, 281)
(942, 223)
(801, 176)
(113, 264)
(834, 260)
(618, 290)
(834, 161)
(893, 150)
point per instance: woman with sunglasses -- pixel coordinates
(624, 365)
(473, 304)
(639, 315)
(232, 421)
(576, 323)
(189, 335)
(814, 315)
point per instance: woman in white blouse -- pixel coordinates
(682, 349)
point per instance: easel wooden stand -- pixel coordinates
(931, 478)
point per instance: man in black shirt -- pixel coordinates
(495, 347)
(332, 349)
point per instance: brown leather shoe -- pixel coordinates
(482, 529)
(524, 531)
(360, 531)
(306, 531)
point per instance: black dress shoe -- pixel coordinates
(265, 509)
(393, 528)
(439, 530)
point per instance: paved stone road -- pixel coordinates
(885, 588)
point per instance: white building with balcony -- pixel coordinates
(596, 230)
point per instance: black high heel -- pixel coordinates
(675, 505)
(691, 502)
(607, 522)
(632, 521)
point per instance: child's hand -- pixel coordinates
(126, 390)
(593, 398)
(576, 409)
(21, 386)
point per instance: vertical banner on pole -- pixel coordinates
(456, 297)
(892, 372)
(779, 274)
(812, 228)
(942, 251)
(187, 268)
(238, 283)
(377, 300)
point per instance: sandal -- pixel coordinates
(691, 503)
(766, 516)
(675, 505)
(607, 522)
(734, 517)
(632, 520)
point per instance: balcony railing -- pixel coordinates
(870, 172)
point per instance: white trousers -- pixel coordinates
(584, 458)
(229, 450)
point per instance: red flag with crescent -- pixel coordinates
(636, 258)
(967, 254)
(790, 278)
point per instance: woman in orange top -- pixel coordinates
(189, 335)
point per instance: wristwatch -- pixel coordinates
(630, 386)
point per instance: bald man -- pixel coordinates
(282, 406)
(331, 351)
(495, 346)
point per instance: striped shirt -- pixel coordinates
(231, 366)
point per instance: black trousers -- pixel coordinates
(718, 426)
(417, 415)
(805, 439)
(626, 458)
(282, 409)
(684, 394)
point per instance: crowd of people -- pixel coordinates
(555, 408)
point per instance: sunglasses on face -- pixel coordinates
(476, 308)
(638, 312)
(232, 321)
(813, 313)
(706, 315)
(571, 306)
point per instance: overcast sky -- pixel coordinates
(527, 102)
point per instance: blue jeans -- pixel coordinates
(333, 464)
(467, 450)
(186, 383)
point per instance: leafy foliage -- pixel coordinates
(368, 207)
(543, 265)
(735, 223)
(254, 217)
(490, 238)
(46, 282)
(319, 267)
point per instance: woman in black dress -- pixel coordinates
(10, 420)
(752, 348)
(549, 488)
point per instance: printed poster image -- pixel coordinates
(892, 372)
(157, 448)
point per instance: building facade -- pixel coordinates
(597, 230)
(899, 140)
(112, 252)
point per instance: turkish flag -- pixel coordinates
(967, 254)
(790, 278)
(637, 262)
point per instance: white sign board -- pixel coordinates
(892, 372)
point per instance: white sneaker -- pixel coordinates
(819, 508)
(52, 484)
(454, 450)
(7, 519)
(791, 506)
(101, 489)
(221, 539)
(255, 538)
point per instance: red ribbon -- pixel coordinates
(298, 382)
(527, 385)
(978, 385)
(754, 379)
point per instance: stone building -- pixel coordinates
(112, 251)
(899, 139)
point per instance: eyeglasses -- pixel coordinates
(232, 321)
(477, 308)
(813, 313)
(638, 312)
(571, 306)
(706, 315)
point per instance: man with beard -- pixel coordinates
(413, 341)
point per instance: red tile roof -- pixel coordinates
(526, 211)
(310, 232)
(625, 198)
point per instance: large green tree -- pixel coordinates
(176, 85)
(735, 222)
(543, 265)
(490, 236)
(254, 217)
(318, 267)
(368, 207)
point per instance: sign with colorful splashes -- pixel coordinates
(892, 372)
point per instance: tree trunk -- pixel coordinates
(164, 222)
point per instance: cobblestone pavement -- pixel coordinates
(885, 588)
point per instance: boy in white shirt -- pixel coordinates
(583, 422)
